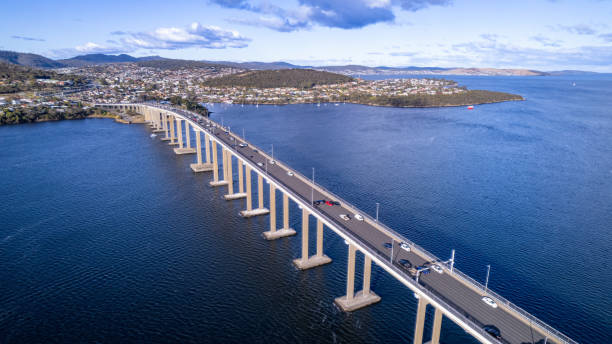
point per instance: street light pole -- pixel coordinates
(272, 151)
(243, 139)
(487, 281)
(377, 206)
(452, 260)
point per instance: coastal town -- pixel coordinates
(129, 82)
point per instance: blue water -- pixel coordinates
(107, 236)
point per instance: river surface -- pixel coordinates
(107, 236)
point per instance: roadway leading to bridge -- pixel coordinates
(449, 288)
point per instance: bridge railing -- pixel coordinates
(546, 329)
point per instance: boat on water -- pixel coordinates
(153, 135)
(470, 107)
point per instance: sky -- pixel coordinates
(537, 34)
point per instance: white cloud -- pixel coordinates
(195, 35)
(94, 48)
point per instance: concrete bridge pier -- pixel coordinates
(165, 127)
(437, 326)
(249, 198)
(249, 212)
(158, 121)
(309, 262)
(183, 150)
(207, 144)
(420, 321)
(199, 166)
(240, 194)
(216, 181)
(151, 117)
(179, 131)
(172, 132)
(353, 301)
(240, 178)
(273, 233)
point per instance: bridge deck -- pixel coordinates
(462, 297)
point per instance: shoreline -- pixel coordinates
(116, 118)
(378, 105)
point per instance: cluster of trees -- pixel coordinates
(190, 104)
(470, 97)
(41, 113)
(15, 78)
(296, 78)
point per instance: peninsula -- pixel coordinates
(294, 86)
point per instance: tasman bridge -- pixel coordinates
(450, 292)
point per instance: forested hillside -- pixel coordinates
(15, 78)
(469, 97)
(298, 78)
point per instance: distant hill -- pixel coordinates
(382, 70)
(299, 78)
(258, 65)
(492, 71)
(570, 72)
(29, 60)
(94, 59)
(173, 64)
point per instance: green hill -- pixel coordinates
(298, 78)
(469, 97)
(29, 60)
(15, 78)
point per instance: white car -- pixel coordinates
(359, 217)
(344, 217)
(290, 174)
(259, 164)
(405, 246)
(489, 301)
(272, 162)
(242, 145)
(437, 268)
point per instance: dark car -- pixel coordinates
(493, 331)
(387, 245)
(405, 263)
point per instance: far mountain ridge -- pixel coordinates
(39, 61)
(93, 59)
